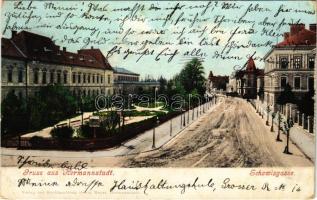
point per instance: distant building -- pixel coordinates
(232, 85)
(216, 82)
(31, 61)
(292, 62)
(247, 80)
(128, 82)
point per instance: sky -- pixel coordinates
(147, 65)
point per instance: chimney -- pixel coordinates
(312, 27)
(92, 47)
(64, 49)
(286, 35)
(296, 28)
(13, 34)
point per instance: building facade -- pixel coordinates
(292, 62)
(128, 82)
(247, 80)
(31, 61)
(218, 83)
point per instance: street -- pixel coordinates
(230, 134)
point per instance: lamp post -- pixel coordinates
(171, 127)
(267, 114)
(181, 116)
(278, 139)
(155, 91)
(197, 109)
(130, 104)
(80, 111)
(157, 122)
(288, 125)
(193, 113)
(272, 128)
(184, 120)
(188, 116)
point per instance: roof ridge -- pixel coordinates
(20, 51)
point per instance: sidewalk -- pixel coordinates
(304, 140)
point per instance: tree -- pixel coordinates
(110, 122)
(307, 104)
(57, 103)
(163, 85)
(286, 96)
(192, 77)
(13, 115)
(261, 93)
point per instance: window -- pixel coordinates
(44, 77)
(311, 62)
(20, 76)
(84, 78)
(297, 62)
(311, 83)
(74, 77)
(283, 62)
(283, 82)
(36, 76)
(108, 79)
(10, 74)
(52, 77)
(65, 77)
(101, 79)
(297, 83)
(88, 78)
(79, 75)
(59, 77)
(93, 78)
(97, 78)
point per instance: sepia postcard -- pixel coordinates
(158, 99)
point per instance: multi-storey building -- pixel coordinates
(31, 61)
(291, 62)
(216, 82)
(247, 80)
(128, 82)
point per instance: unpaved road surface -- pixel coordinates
(232, 135)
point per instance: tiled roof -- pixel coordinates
(251, 65)
(250, 69)
(41, 48)
(8, 49)
(298, 35)
(97, 54)
(121, 70)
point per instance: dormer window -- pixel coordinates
(58, 53)
(91, 60)
(71, 57)
(81, 59)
